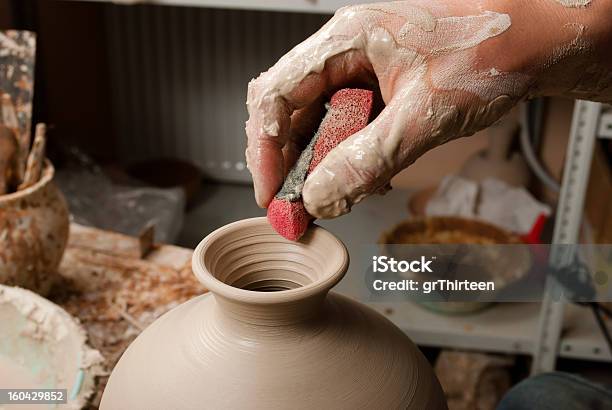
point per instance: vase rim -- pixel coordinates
(321, 285)
(46, 175)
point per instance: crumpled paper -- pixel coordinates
(455, 196)
(491, 200)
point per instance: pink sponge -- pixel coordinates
(349, 111)
(288, 218)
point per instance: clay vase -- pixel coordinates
(270, 335)
(34, 228)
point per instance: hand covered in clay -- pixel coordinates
(444, 70)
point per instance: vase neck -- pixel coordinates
(257, 276)
(272, 314)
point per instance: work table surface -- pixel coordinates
(116, 287)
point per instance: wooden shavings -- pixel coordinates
(111, 243)
(146, 239)
(129, 318)
(116, 294)
(36, 158)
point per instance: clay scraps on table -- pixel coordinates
(116, 290)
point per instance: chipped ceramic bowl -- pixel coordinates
(34, 228)
(42, 346)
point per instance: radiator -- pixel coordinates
(179, 79)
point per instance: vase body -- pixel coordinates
(34, 227)
(271, 336)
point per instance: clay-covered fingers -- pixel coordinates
(327, 60)
(413, 122)
(359, 166)
(277, 127)
(268, 129)
(304, 123)
(264, 151)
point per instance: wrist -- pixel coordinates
(526, 46)
(564, 49)
(537, 28)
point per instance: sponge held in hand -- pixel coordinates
(349, 112)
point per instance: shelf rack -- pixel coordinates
(545, 330)
(504, 328)
(583, 135)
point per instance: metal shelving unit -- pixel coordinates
(583, 135)
(546, 330)
(503, 328)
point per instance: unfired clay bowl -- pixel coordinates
(270, 335)
(34, 228)
(42, 346)
(504, 268)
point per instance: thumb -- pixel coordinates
(359, 166)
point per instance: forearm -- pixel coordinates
(566, 51)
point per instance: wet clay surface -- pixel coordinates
(265, 349)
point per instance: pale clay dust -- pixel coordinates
(574, 3)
